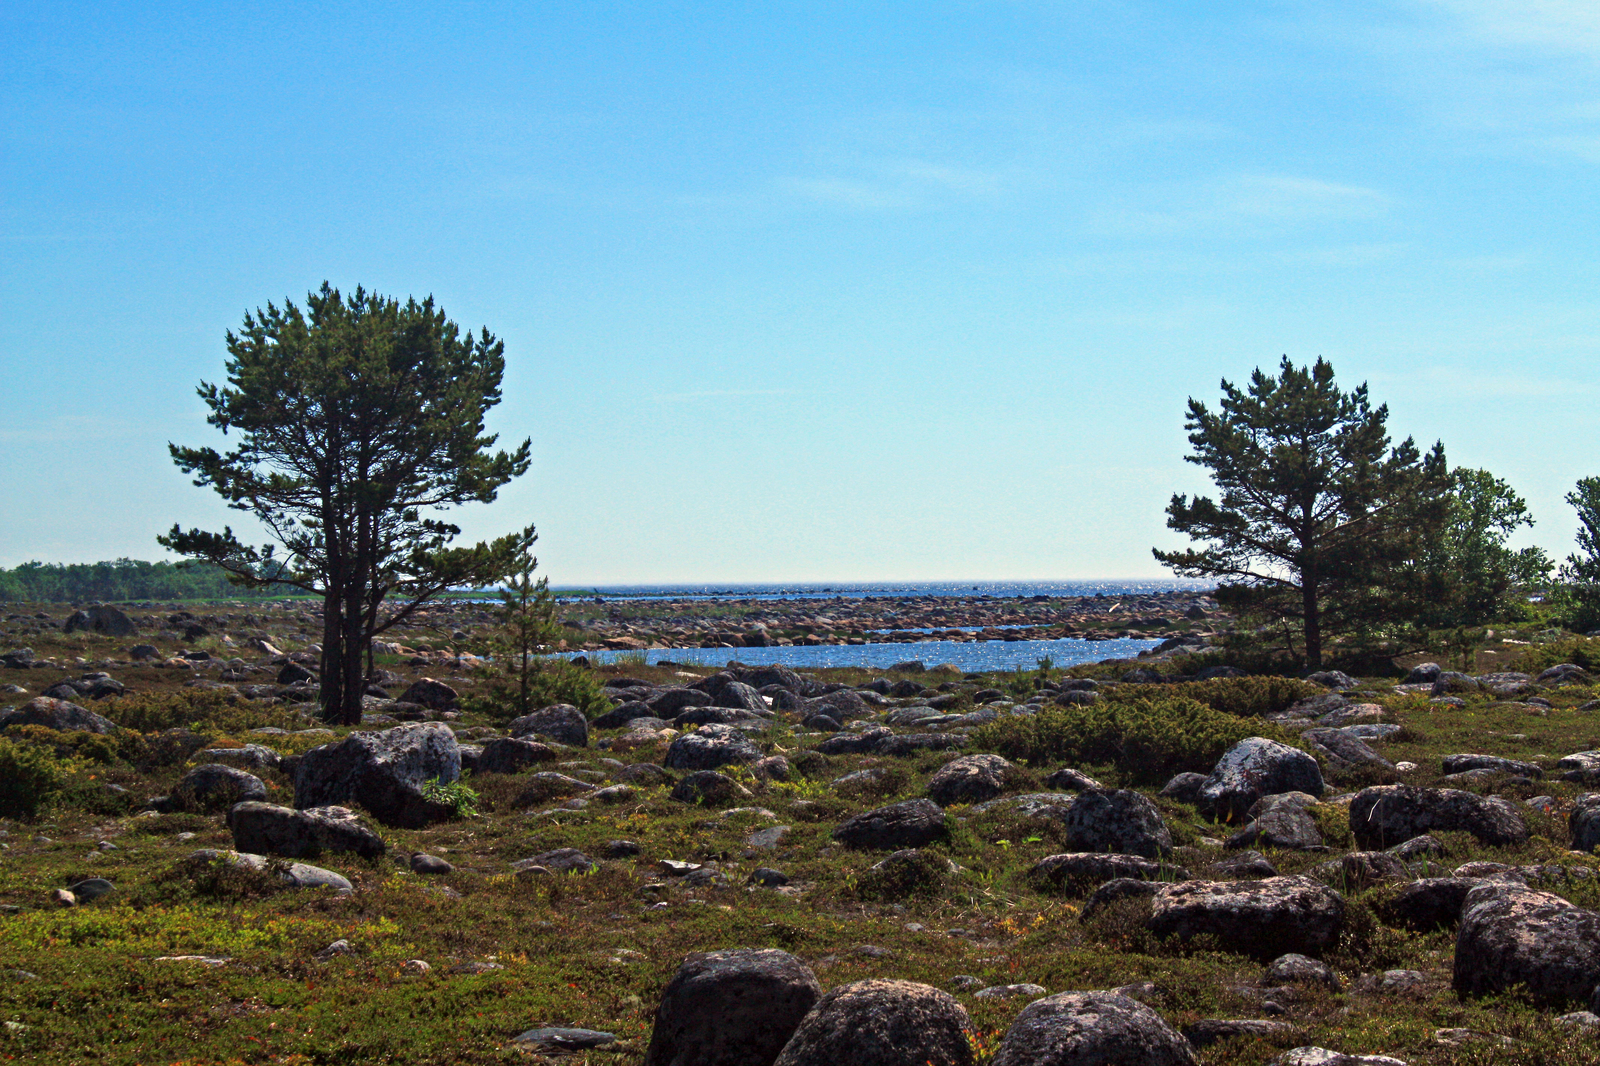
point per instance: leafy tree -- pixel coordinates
(527, 626)
(1468, 570)
(356, 418)
(1578, 598)
(1318, 517)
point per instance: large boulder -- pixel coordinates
(1341, 751)
(673, 701)
(1264, 918)
(561, 722)
(249, 757)
(383, 772)
(213, 787)
(426, 692)
(881, 1022)
(709, 747)
(1092, 1029)
(1386, 815)
(292, 874)
(1080, 870)
(1427, 903)
(1464, 763)
(731, 1008)
(1253, 768)
(969, 779)
(708, 788)
(740, 696)
(510, 755)
(1285, 826)
(912, 824)
(1116, 820)
(56, 714)
(268, 829)
(1511, 935)
(107, 621)
(1584, 822)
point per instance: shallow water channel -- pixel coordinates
(970, 657)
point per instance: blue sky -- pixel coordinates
(807, 292)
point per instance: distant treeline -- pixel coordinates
(124, 579)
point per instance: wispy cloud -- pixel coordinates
(895, 184)
(1557, 25)
(1249, 201)
(719, 394)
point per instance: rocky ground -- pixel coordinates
(754, 865)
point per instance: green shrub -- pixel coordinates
(30, 777)
(1147, 740)
(1582, 651)
(1246, 697)
(457, 794)
(203, 710)
(554, 681)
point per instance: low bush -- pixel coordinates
(203, 710)
(555, 681)
(30, 777)
(1581, 651)
(457, 794)
(1147, 740)
(1246, 697)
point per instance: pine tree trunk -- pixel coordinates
(1313, 620)
(331, 671)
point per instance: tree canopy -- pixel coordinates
(357, 419)
(1318, 518)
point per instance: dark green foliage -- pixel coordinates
(30, 777)
(1581, 651)
(1577, 600)
(549, 680)
(203, 710)
(1471, 576)
(1318, 516)
(121, 580)
(1246, 697)
(1147, 740)
(356, 420)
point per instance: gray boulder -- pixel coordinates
(293, 874)
(384, 772)
(1427, 903)
(1423, 674)
(1341, 751)
(912, 824)
(1285, 826)
(561, 722)
(1079, 870)
(1334, 679)
(669, 703)
(740, 696)
(548, 785)
(511, 755)
(1292, 969)
(1321, 1056)
(1257, 767)
(1117, 820)
(881, 1023)
(731, 1008)
(1584, 822)
(559, 861)
(709, 788)
(249, 757)
(1511, 935)
(1459, 764)
(1091, 1029)
(267, 829)
(56, 714)
(213, 787)
(969, 779)
(1067, 779)
(1362, 869)
(1185, 788)
(107, 621)
(1385, 815)
(425, 692)
(710, 747)
(1264, 918)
